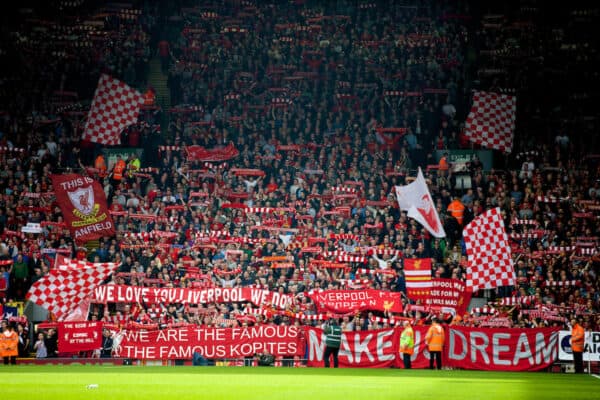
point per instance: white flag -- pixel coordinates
(415, 199)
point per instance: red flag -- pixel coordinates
(114, 108)
(216, 154)
(450, 295)
(62, 290)
(488, 253)
(83, 204)
(351, 301)
(79, 336)
(491, 121)
(417, 273)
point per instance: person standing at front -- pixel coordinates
(407, 344)
(333, 339)
(577, 345)
(9, 344)
(435, 343)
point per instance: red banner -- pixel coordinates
(153, 295)
(501, 349)
(346, 301)
(79, 336)
(449, 295)
(212, 343)
(200, 153)
(83, 204)
(359, 349)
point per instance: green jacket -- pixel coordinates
(333, 336)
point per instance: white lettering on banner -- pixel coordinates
(212, 342)
(453, 345)
(356, 348)
(498, 348)
(420, 346)
(523, 351)
(131, 294)
(344, 296)
(361, 347)
(482, 348)
(547, 352)
(316, 345)
(97, 227)
(383, 342)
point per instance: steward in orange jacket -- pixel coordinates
(9, 345)
(577, 345)
(457, 210)
(435, 339)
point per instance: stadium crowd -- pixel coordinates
(317, 111)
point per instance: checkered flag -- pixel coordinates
(489, 258)
(115, 107)
(64, 288)
(491, 122)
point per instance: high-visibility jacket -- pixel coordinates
(9, 343)
(119, 169)
(443, 164)
(435, 338)
(407, 341)
(577, 338)
(133, 166)
(100, 165)
(457, 210)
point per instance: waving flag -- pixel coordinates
(489, 261)
(491, 121)
(114, 108)
(417, 274)
(83, 204)
(64, 289)
(415, 199)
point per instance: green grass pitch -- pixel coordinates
(241, 383)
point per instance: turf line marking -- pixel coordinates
(596, 376)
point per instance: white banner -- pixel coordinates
(591, 351)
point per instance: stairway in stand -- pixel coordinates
(158, 80)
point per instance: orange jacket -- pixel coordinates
(577, 338)
(443, 164)
(457, 210)
(9, 344)
(435, 338)
(119, 169)
(100, 165)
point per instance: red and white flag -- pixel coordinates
(63, 290)
(416, 199)
(491, 121)
(489, 261)
(417, 274)
(114, 108)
